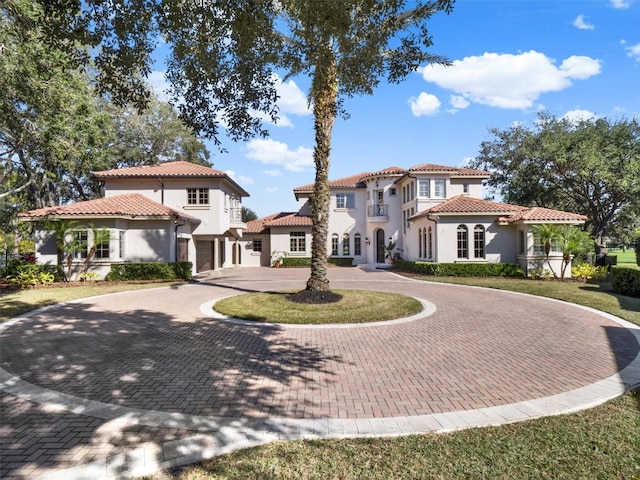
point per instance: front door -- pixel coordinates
(380, 245)
(204, 255)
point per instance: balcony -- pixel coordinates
(378, 213)
(235, 218)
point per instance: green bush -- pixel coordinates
(296, 262)
(626, 281)
(585, 271)
(341, 261)
(638, 251)
(25, 273)
(306, 261)
(462, 269)
(150, 271)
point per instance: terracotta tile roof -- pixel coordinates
(387, 171)
(508, 213)
(454, 171)
(168, 169)
(353, 181)
(541, 214)
(126, 205)
(280, 219)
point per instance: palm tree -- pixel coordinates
(572, 240)
(547, 234)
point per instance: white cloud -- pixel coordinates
(425, 104)
(291, 100)
(271, 152)
(458, 101)
(272, 189)
(620, 3)
(579, 115)
(634, 51)
(581, 23)
(273, 173)
(509, 81)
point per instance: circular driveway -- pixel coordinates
(155, 351)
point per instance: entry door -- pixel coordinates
(204, 255)
(380, 246)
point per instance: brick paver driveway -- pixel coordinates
(154, 350)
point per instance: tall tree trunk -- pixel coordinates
(325, 96)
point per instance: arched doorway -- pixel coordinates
(380, 245)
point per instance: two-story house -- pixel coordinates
(166, 212)
(430, 212)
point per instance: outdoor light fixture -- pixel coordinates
(366, 241)
(377, 184)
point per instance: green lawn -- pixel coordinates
(629, 256)
(600, 443)
(355, 306)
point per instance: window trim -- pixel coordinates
(198, 196)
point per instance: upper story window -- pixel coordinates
(465, 188)
(392, 192)
(345, 200)
(423, 188)
(197, 196)
(439, 188)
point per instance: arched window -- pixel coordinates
(430, 244)
(478, 241)
(463, 241)
(357, 245)
(345, 244)
(334, 244)
(420, 243)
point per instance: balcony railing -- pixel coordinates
(379, 210)
(235, 215)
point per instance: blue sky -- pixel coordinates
(511, 59)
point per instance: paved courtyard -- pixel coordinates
(124, 384)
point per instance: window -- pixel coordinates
(439, 190)
(478, 241)
(522, 242)
(420, 243)
(346, 241)
(257, 245)
(392, 192)
(429, 243)
(463, 241)
(198, 196)
(357, 245)
(121, 244)
(423, 188)
(297, 242)
(334, 244)
(102, 250)
(465, 188)
(80, 240)
(345, 200)
(538, 246)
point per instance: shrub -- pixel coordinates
(585, 271)
(638, 251)
(296, 261)
(341, 261)
(626, 281)
(150, 271)
(24, 272)
(463, 269)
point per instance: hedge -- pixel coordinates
(462, 269)
(150, 271)
(306, 261)
(626, 281)
(638, 251)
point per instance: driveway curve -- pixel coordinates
(160, 378)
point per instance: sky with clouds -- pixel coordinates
(510, 59)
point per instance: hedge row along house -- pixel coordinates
(181, 211)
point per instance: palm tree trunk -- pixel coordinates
(325, 94)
